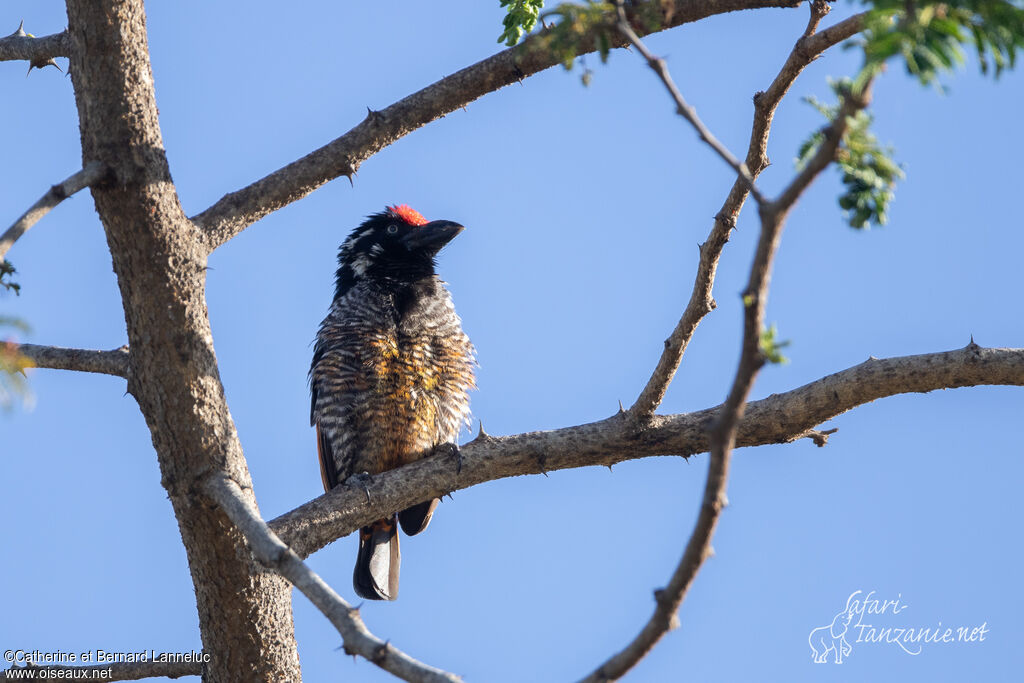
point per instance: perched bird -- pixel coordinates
(391, 373)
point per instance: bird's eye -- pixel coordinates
(392, 229)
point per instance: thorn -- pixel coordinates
(971, 345)
(381, 653)
(449, 494)
(728, 220)
(482, 435)
(40, 63)
(621, 409)
(21, 30)
(542, 462)
(609, 467)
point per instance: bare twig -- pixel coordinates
(726, 425)
(776, 419)
(818, 436)
(92, 173)
(343, 156)
(119, 671)
(113, 362)
(37, 51)
(808, 47)
(272, 552)
(851, 104)
(685, 110)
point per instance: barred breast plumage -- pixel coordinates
(391, 373)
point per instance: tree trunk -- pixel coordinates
(244, 611)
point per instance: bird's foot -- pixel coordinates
(456, 453)
(362, 480)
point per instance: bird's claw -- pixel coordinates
(456, 453)
(362, 480)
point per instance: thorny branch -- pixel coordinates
(779, 418)
(273, 553)
(343, 156)
(92, 173)
(105, 673)
(682, 107)
(38, 52)
(807, 48)
(725, 427)
(776, 419)
(113, 362)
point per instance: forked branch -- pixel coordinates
(776, 419)
(725, 427)
(807, 49)
(273, 553)
(684, 109)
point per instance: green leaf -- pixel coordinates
(7, 271)
(572, 28)
(869, 174)
(771, 347)
(931, 37)
(519, 20)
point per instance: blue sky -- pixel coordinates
(584, 207)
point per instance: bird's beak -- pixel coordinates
(432, 236)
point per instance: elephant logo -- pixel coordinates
(832, 638)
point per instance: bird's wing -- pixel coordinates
(328, 471)
(340, 385)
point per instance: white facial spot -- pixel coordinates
(360, 264)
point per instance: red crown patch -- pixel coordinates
(408, 214)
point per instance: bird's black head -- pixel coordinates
(394, 247)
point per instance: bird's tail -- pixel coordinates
(415, 518)
(376, 573)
